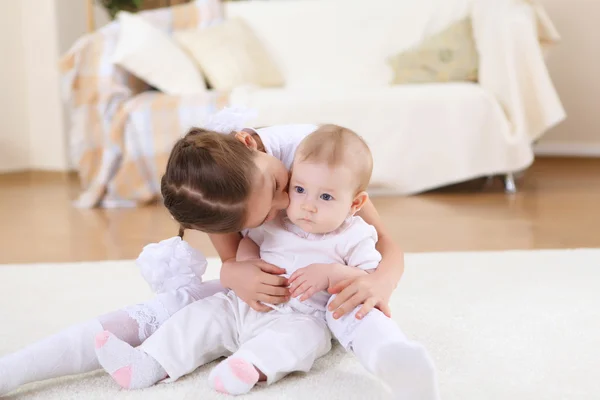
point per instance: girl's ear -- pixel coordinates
(358, 202)
(247, 139)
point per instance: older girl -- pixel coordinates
(220, 184)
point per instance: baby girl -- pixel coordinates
(318, 241)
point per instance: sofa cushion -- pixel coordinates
(450, 55)
(334, 43)
(422, 135)
(230, 55)
(151, 55)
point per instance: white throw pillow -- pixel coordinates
(154, 57)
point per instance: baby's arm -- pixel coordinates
(361, 258)
(338, 272)
(317, 277)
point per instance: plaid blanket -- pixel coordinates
(121, 130)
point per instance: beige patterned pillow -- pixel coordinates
(230, 54)
(449, 55)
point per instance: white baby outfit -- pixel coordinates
(288, 339)
(286, 245)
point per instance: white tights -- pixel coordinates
(72, 351)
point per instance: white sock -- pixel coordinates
(131, 368)
(407, 370)
(233, 376)
(65, 353)
(404, 365)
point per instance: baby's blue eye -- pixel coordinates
(326, 197)
(299, 189)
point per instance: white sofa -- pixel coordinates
(332, 55)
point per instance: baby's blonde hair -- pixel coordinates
(336, 146)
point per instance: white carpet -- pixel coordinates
(501, 325)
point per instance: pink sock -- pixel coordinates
(131, 368)
(233, 376)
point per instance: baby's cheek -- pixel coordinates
(339, 208)
(337, 213)
(294, 205)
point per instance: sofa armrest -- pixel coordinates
(511, 36)
(139, 143)
(95, 89)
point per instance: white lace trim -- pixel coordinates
(149, 317)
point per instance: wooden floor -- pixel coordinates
(557, 206)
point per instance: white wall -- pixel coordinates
(14, 129)
(34, 124)
(72, 21)
(575, 69)
(45, 109)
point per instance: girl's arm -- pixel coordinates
(372, 290)
(247, 250)
(254, 281)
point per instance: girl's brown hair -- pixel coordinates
(208, 181)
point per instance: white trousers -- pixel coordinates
(277, 343)
(382, 329)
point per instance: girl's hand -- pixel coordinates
(255, 282)
(372, 290)
(309, 280)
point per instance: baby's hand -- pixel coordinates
(309, 280)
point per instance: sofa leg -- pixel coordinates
(489, 181)
(509, 183)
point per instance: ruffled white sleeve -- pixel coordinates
(171, 264)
